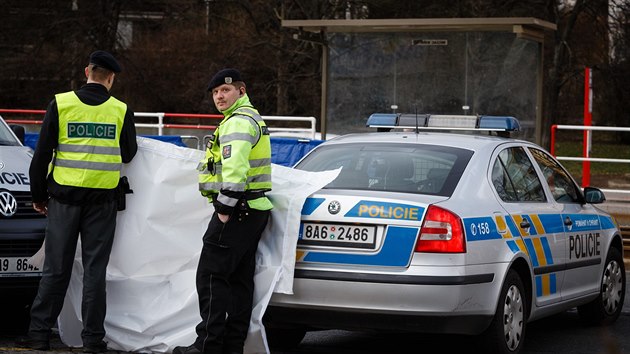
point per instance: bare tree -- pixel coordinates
(581, 40)
(176, 45)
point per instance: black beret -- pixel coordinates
(225, 76)
(105, 60)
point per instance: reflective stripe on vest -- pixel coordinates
(88, 152)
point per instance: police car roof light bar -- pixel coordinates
(443, 122)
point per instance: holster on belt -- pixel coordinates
(123, 189)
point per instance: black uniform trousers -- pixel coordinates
(225, 280)
(96, 224)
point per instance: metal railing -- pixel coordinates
(586, 144)
(306, 132)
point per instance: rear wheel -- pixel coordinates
(605, 309)
(506, 333)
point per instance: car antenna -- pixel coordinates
(416, 109)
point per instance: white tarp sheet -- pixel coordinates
(151, 295)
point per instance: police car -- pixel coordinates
(21, 228)
(445, 232)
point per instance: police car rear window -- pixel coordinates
(420, 169)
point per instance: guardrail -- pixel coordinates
(586, 144)
(308, 132)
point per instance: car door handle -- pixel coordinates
(525, 224)
(568, 221)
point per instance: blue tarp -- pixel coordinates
(30, 140)
(284, 151)
(288, 151)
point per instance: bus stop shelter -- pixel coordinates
(491, 66)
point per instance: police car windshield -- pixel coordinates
(420, 169)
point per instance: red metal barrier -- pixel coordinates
(23, 111)
(552, 144)
(193, 115)
(156, 115)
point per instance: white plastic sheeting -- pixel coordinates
(151, 296)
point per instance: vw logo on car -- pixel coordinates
(8, 204)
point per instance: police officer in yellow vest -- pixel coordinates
(234, 175)
(85, 138)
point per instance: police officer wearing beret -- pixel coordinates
(86, 136)
(234, 176)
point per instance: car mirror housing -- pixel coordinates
(594, 195)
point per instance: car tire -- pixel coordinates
(606, 307)
(284, 338)
(506, 333)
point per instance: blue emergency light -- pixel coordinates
(443, 122)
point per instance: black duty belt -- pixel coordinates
(254, 195)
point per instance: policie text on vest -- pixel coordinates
(91, 130)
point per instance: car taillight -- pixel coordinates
(441, 232)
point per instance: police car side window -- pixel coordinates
(560, 183)
(515, 178)
(502, 183)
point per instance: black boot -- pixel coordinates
(36, 344)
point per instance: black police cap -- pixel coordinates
(105, 60)
(225, 76)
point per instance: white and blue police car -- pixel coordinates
(437, 231)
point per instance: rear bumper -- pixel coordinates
(459, 300)
(396, 279)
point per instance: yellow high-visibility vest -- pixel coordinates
(88, 154)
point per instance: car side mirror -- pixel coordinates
(594, 195)
(18, 130)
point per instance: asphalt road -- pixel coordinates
(560, 334)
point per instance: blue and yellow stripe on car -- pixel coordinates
(531, 241)
(546, 284)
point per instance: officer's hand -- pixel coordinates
(223, 217)
(41, 207)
